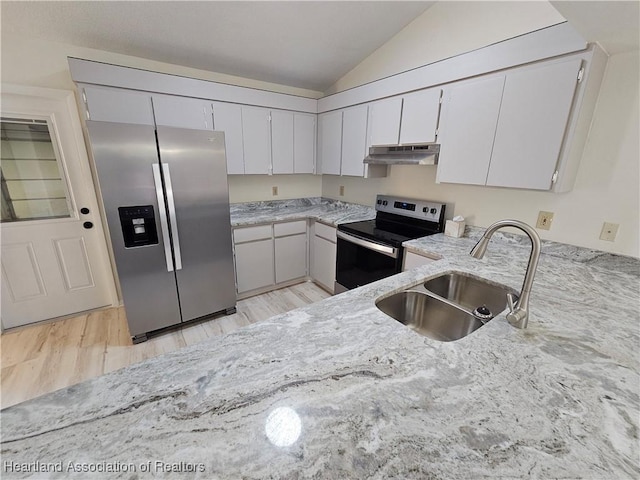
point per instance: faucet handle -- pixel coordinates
(511, 300)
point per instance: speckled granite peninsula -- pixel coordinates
(340, 390)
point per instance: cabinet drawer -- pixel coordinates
(249, 234)
(325, 231)
(290, 228)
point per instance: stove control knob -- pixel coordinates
(424, 210)
(433, 211)
(384, 202)
(379, 202)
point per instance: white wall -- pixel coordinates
(251, 188)
(41, 63)
(447, 29)
(606, 189)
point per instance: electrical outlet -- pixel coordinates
(544, 220)
(609, 231)
(274, 191)
(342, 190)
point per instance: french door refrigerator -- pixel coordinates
(166, 199)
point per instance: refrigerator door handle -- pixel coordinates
(162, 213)
(172, 215)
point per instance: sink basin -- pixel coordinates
(447, 307)
(429, 316)
(470, 292)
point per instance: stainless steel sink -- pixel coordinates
(429, 316)
(470, 292)
(448, 307)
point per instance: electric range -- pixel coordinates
(372, 249)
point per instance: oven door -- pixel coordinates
(360, 261)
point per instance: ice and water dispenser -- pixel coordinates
(138, 226)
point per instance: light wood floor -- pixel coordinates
(49, 356)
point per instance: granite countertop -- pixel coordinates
(331, 212)
(337, 389)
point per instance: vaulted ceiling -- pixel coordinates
(305, 44)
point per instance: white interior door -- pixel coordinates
(53, 254)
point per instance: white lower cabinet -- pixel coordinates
(254, 265)
(323, 264)
(413, 260)
(253, 252)
(269, 255)
(290, 250)
(291, 257)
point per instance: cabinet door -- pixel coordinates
(282, 141)
(324, 263)
(354, 140)
(118, 106)
(304, 143)
(420, 116)
(227, 118)
(533, 118)
(384, 121)
(181, 112)
(467, 129)
(330, 142)
(291, 257)
(413, 260)
(254, 265)
(256, 140)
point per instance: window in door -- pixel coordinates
(30, 172)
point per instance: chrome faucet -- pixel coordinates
(518, 315)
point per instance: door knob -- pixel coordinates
(87, 225)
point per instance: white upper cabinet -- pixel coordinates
(116, 105)
(468, 127)
(281, 141)
(536, 103)
(256, 136)
(508, 129)
(343, 143)
(263, 141)
(330, 142)
(412, 118)
(354, 140)
(384, 121)
(182, 112)
(304, 143)
(420, 116)
(227, 118)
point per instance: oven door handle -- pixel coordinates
(376, 247)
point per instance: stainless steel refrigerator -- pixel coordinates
(165, 195)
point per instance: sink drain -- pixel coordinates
(483, 313)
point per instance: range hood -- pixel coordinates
(419, 154)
